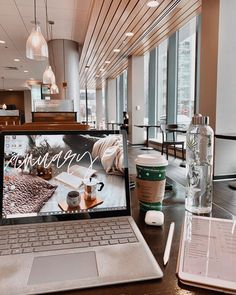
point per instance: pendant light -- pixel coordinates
(36, 45)
(54, 89)
(48, 76)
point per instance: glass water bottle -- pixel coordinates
(199, 165)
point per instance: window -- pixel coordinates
(146, 78)
(91, 95)
(186, 72)
(175, 78)
(162, 81)
(121, 96)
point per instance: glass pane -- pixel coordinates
(118, 98)
(162, 81)
(121, 96)
(146, 77)
(125, 76)
(186, 72)
(91, 106)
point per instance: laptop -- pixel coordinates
(65, 213)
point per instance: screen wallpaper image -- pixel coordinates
(65, 173)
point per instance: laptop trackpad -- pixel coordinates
(46, 269)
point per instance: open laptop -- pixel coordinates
(65, 209)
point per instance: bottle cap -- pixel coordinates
(198, 119)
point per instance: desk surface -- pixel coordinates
(173, 208)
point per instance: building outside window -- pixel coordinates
(91, 106)
(175, 98)
(121, 96)
(162, 81)
(186, 72)
(146, 77)
(125, 90)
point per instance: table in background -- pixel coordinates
(174, 210)
(228, 136)
(10, 117)
(148, 126)
(113, 124)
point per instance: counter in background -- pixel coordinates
(51, 117)
(9, 117)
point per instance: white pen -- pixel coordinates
(168, 243)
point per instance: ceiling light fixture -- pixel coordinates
(152, 3)
(2, 42)
(54, 89)
(116, 50)
(107, 62)
(16, 59)
(48, 76)
(36, 45)
(26, 71)
(129, 34)
(10, 89)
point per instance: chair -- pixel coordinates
(169, 139)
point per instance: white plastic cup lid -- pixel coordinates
(151, 160)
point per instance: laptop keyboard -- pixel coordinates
(22, 239)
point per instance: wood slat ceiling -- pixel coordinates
(111, 19)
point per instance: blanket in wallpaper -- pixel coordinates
(26, 194)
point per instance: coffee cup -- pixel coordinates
(150, 181)
(73, 199)
(91, 186)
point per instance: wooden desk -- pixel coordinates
(174, 210)
(148, 126)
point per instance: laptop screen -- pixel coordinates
(64, 173)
